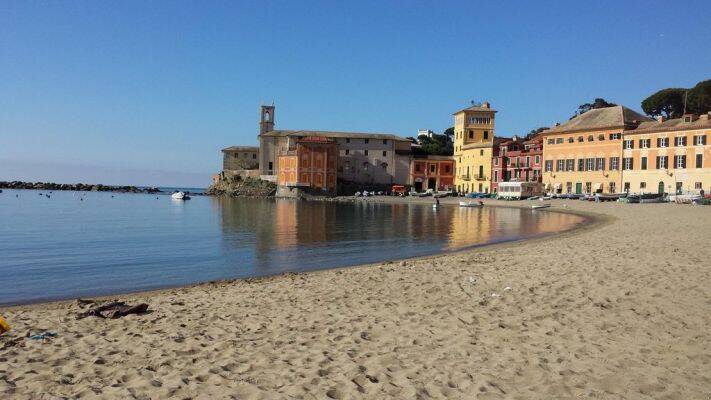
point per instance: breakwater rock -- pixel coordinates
(76, 187)
(244, 187)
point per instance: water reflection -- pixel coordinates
(289, 235)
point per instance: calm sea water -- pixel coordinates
(65, 247)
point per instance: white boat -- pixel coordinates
(470, 204)
(539, 206)
(180, 196)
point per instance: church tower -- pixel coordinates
(266, 122)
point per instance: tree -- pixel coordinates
(535, 132)
(597, 103)
(669, 102)
(449, 132)
(438, 145)
(698, 99)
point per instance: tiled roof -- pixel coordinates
(601, 118)
(676, 124)
(330, 134)
(475, 108)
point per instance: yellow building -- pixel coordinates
(584, 155)
(668, 156)
(473, 145)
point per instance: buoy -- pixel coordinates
(4, 326)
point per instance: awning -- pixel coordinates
(598, 186)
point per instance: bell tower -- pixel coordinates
(266, 122)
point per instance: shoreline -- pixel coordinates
(590, 222)
(606, 310)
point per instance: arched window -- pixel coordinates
(267, 116)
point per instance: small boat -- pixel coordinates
(539, 206)
(180, 196)
(607, 196)
(651, 198)
(470, 204)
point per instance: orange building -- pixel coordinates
(312, 163)
(432, 172)
(583, 155)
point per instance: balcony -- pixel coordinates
(480, 177)
(465, 177)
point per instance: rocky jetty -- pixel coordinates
(76, 187)
(244, 187)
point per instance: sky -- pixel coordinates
(147, 93)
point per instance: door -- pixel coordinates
(661, 188)
(418, 186)
(432, 183)
(578, 188)
(678, 188)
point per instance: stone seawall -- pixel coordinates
(76, 187)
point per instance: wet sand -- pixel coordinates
(620, 309)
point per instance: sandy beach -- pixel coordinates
(619, 309)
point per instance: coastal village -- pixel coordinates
(603, 151)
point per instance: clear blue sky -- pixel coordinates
(130, 87)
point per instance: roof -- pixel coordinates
(475, 108)
(676, 124)
(600, 118)
(241, 148)
(331, 134)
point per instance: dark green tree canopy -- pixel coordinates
(449, 132)
(597, 103)
(438, 145)
(667, 102)
(698, 100)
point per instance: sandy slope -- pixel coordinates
(618, 311)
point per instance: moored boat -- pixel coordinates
(539, 206)
(180, 196)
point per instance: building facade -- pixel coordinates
(236, 158)
(668, 156)
(473, 148)
(311, 163)
(362, 157)
(431, 172)
(517, 160)
(584, 155)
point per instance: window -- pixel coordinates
(254, 156)
(680, 141)
(528, 161)
(348, 140)
(581, 164)
(627, 186)
(538, 160)
(588, 187)
(643, 185)
(662, 142)
(601, 137)
(581, 139)
(590, 138)
(560, 165)
(559, 140)
(644, 143)
(614, 163)
(447, 168)
(569, 187)
(481, 152)
(385, 141)
(433, 168)
(486, 135)
(417, 167)
(628, 144)
(662, 162)
(590, 164)
(496, 161)
(700, 140)
(385, 153)
(697, 185)
(496, 176)
(680, 162)
(600, 164)
(627, 163)
(613, 187)
(644, 163)
(551, 141)
(699, 161)
(270, 165)
(570, 165)
(348, 152)
(235, 155)
(471, 134)
(366, 151)
(549, 165)
(367, 141)
(571, 139)
(615, 136)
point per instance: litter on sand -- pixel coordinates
(507, 288)
(472, 280)
(43, 336)
(4, 326)
(113, 310)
